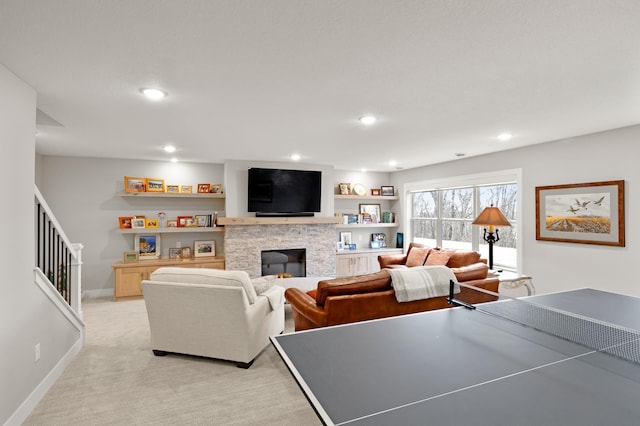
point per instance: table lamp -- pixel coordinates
(491, 217)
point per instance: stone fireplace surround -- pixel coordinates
(245, 238)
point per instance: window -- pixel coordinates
(442, 218)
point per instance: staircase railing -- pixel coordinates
(56, 257)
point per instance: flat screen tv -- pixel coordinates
(278, 192)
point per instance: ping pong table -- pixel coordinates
(463, 367)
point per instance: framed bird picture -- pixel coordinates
(586, 213)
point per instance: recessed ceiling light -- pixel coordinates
(174, 160)
(295, 157)
(169, 148)
(393, 163)
(368, 120)
(505, 136)
(363, 170)
(153, 94)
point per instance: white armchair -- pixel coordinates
(212, 313)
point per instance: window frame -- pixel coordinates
(511, 176)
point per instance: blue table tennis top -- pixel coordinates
(459, 366)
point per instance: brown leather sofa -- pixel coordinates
(366, 297)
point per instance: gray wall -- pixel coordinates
(84, 196)
(27, 317)
(610, 155)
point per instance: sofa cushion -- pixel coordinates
(417, 256)
(357, 284)
(476, 271)
(262, 284)
(438, 257)
(206, 276)
(463, 258)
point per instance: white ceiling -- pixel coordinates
(261, 80)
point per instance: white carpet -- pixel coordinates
(116, 380)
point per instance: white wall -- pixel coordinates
(84, 195)
(610, 155)
(26, 315)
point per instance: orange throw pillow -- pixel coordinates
(437, 257)
(417, 256)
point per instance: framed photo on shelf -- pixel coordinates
(185, 253)
(175, 253)
(125, 222)
(155, 185)
(134, 184)
(379, 238)
(204, 188)
(373, 210)
(182, 220)
(191, 222)
(340, 246)
(344, 188)
(203, 220)
(204, 248)
(375, 191)
(387, 191)
(345, 238)
(148, 246)
(130, 256)
(186, 189)
(587, 213)
(150, 223)
(216, 188)
(173, 189)
(138, 222)
(172, 223)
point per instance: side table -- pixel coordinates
(515, 285)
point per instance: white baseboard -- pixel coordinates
(29, 404)
(96, 294)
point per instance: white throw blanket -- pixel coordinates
(275, 295)
(422, 282)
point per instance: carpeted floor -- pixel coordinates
(116, 380)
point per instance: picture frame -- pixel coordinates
(185, 253)
(584, 213)
(340, 246)
(155, 184)
(125, 222)
(150, 223)
(186, 189)
(175, 253)
(216, 188)
(204, 188)
(138, 222)
(380, 238)
(135, 184)
(172, 223)
(203, 220)
(371, 209)
(375, 192)
(190, 222)
(148, 246)
(387, 191)
(345, 238)
(130, 256)
(204, 248)
(344, 188)
(173, 189)
(182, 220)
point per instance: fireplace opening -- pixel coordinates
(284, 263)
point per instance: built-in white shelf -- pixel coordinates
(367, 197)
(171, 230)
(367, 225)
(170, 194)
(295, 220)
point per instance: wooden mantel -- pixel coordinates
(298, 220)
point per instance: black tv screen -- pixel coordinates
(278, 192)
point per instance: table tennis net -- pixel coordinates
(592, 333)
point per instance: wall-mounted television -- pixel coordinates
(279, 192)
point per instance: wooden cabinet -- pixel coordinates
(129, 276)
(360, 262)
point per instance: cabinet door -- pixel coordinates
(128, 282)
(360, 264)
(343, 266)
